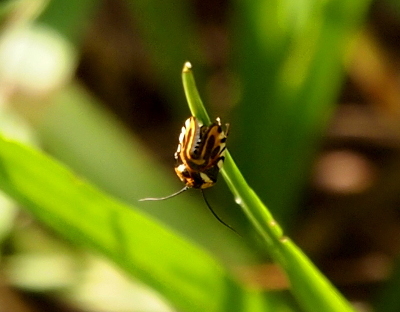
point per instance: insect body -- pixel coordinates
(200, 153)
(199, 157)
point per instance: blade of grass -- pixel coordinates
(189, 277)
(192, 95)
(290, 61)
(313, 291)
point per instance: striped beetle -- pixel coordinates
(199, 157)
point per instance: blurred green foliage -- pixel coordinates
(287, 64)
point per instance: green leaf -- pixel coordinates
(312, 290)
(192, 95)
(186, 275)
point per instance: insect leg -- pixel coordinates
(216, 216)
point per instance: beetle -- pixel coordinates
(199, 157)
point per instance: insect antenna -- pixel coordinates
(185, 188)
(216, 216)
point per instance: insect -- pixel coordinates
(199, 157)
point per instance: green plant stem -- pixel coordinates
(192, 95)
(306, 280)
